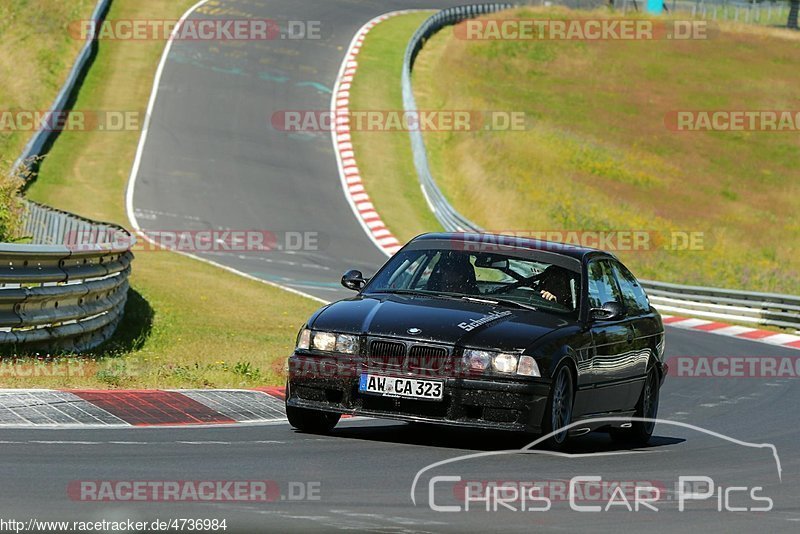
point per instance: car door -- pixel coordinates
(646, 327)
(612, 340)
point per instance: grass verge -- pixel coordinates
(596, 155)
(187, 324)
(32, 33)
(36, 55)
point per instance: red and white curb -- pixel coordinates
(741, 332)
(349, 173)
(139, 408)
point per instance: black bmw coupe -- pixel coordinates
(485, 331)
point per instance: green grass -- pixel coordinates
(187, 324)
(37, 54)
(596, 155)
(385, 156)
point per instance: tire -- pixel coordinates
(647, 406)
(312, 421)
(558, 412)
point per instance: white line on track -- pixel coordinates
(139, 443)
(271, 422)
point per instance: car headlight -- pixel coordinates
(477, 360)
(527, 366)
(304, 339)
(324, 341)
(346, 344)
(330, 342)
(504, 362)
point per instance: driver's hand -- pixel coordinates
(547, 295)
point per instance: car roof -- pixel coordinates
(572, 251)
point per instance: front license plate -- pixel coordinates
(392, 386)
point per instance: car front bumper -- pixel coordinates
(467, 402)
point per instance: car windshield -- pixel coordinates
(496, 277)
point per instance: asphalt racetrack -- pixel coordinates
(361, 475)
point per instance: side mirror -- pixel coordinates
(354, 280)
(610, 311)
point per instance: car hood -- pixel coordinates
(443, 320)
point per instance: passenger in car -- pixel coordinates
(554, 285)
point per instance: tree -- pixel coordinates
(794, 9)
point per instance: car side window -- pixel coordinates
(633, 296)
(407, 271)
(423, 276)
(602, 285)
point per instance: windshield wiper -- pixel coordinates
(434, 294)
(504, 302)
(400, 291)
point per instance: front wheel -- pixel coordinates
(558, 414)
(312, 421)
(647, 407)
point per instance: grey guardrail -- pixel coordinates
(39, 142)
(65, 288)
(766, 309)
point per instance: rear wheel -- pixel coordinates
(312, 421)
(558, 413)
(647, 407)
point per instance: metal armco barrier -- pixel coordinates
(67, 290)
(765, 309)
